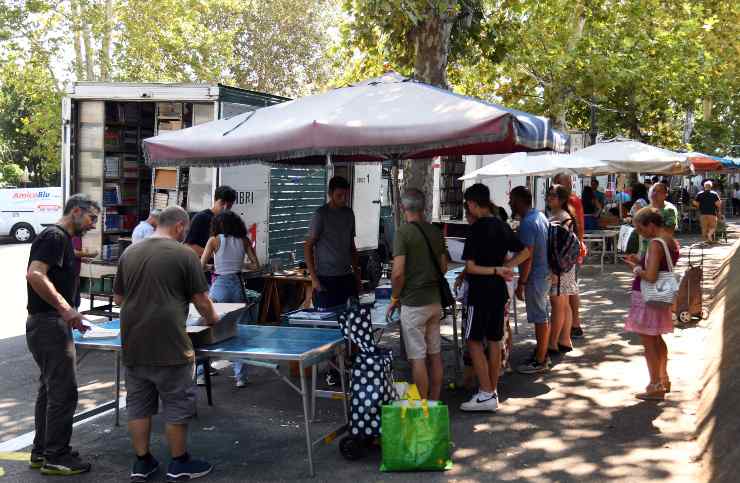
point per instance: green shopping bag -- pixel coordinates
(415, 436)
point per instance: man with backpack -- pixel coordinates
(485, 251)
(534, 275)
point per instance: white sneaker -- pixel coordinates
(477, 404)
(240, 383)
(200, 380)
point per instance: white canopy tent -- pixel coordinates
(626, 156)
(537, 164)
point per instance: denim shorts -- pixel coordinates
(537, 300)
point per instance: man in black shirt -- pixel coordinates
(52, 283)
(709, 204)
(485, 251)
(200, 225)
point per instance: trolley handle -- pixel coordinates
(691, 249)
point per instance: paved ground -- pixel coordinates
(578, 422)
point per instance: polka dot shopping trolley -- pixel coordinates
(371, 381)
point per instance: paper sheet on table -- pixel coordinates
(96, 332)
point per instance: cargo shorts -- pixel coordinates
(146, 385)
(421, 326)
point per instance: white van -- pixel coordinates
(24, 212)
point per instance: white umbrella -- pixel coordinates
(625, 156)
(538, 164)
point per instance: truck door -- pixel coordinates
(252, 201)
(366, 189)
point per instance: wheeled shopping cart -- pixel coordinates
(371, 382)
(689, 302)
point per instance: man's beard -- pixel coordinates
(79, 230)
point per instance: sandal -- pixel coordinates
(564, 349)
(666, 384)
(653, 392)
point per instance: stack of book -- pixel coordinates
(112, 166)
(111, 194)
(112, 138)
(160, 200)
(130, 166)
(130, 138)
(111, 251)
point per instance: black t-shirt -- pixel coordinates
(53, 246)
(200, 228)
(489, 241)
(707, 200)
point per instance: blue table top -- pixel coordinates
(252, 342)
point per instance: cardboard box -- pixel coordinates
(226, 328)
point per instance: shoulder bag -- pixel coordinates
(665, 288)
(445, 293)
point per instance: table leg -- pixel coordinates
(342, 375)
(615, 241)
(314, 376)
(603, 252)
(207, 377)
(266, 301)
(307, 421)
(516, 319)
(456, 342)
(276, 302)
(118, 386)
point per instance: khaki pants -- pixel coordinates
(708, 226)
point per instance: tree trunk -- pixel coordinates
(688, 127)
(77, 30)
(431, 46)
(88, 47)
(707, 109)
(105, 61)
(560, 94)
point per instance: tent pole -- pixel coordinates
(396, 194)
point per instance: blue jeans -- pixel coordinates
(228, 289)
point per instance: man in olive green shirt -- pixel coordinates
(415, 281)
(668, 211)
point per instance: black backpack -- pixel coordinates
(563, 248)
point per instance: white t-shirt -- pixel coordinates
(142, 231)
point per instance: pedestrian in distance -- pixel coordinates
(487, 272)
(156, 281)
(651, 321)
(736, 199)
(228, 247)
(52, 281)
(534, 275)
(418, 257)
(710, 206)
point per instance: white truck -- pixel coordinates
(103, 125)
(24, 212)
